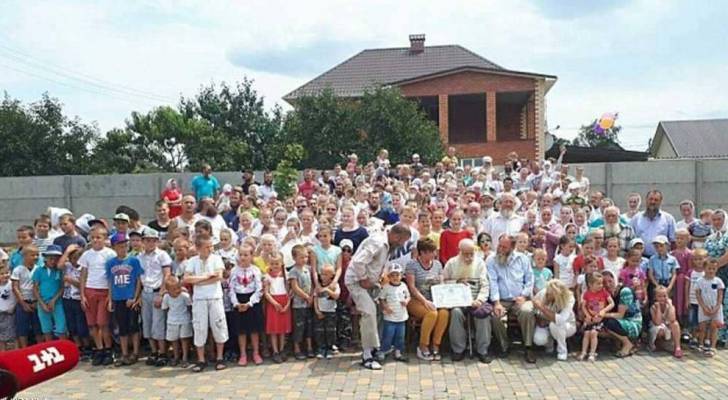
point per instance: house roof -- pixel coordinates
(378, 67)
(693, 138)
(579, 154)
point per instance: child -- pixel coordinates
(179, 320)
(613, 262)
(226, 247)
(587, 250)
(450, 238)
(522, 244)
(246, 290)
(75, 317)
(393, 300)
(700, 256)
(268, 247)
(41, 227)
(124, 274)
(700, 230)
(95, 293)
(325, 253)
(582, 285)
(231, 350)
(662, 267)
(564, 262)
(683, 256)
(24, 235)
(325, 306)
(181, 253)
(26, 318)
(664, 322)
(136, 243)
(204, 271)
(47, 290)
(7, 310)
(709, 292)
(596, 302)
(70, 236)
(633, 277)
(157, 265)
(278, 307)
(344, 324)
(541, 274)
(300, 279)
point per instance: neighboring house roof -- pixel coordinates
(579, 154)
(692, 138)
(378, 67)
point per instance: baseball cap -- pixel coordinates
(395, 268)
(121, 217)
(150, 233)
(134, 233)
(635, 242)
(346, 243)
(119, 237)
(661, 239)
(53, 250)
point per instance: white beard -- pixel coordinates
(506, 213)
(612, 230)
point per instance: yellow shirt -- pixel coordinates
(261, 264)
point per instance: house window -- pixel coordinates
(466, 118)
(513, 112)
(472, 162)
(430, 105)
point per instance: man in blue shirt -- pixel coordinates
(205, 185)
(125, 285)
(653, 222)
(511, 287)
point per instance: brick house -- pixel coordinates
(480, 107)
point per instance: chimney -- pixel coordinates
(417, 43)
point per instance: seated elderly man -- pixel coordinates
(511, 287)
(470, 270)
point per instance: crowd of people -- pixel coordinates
(233, 272)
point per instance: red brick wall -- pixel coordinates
(497, 150)
(468, 82)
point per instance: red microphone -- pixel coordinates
(23, 368)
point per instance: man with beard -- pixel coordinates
(487, 202)
(231, 216)
(474, 218)
(248, 180)
(595, 203)
(187, 219)
(511, 288)
(208, 212)
(615, 226)
(467, 269)
(266, 190)
(362, 278)
(653, 222)
(506, 221)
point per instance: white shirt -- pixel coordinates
(95, 262)
(393, 296)
(152, 264)
(496, 225)
(196, 267)
(566, 268)
(218, 224)
(7, 297)
(709, 290)
(178, 313)
(25, 281)
(695, 276)
(613, 266)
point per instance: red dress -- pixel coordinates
(173, 195)
(277, 323)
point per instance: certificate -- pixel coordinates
(451, 295)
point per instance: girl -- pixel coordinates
(633, 277)
(709, 291)
(245, 226)
(278, 307)
(226, 248)
(246, 290)
(325, 253)
(173, 197)
(564, 262)
(450, 238)
(267, 248)
(613, 262)
(522, 244)
(698, 271)
(664, 322)
(683, 255)
(596, 303)
(292, 238)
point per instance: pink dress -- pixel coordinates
(679, 296)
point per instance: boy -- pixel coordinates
(26, 319)
(42, 226)
(394, 299)
(325, 307)
(587, 250)
(68, 226)
(541, 274)
(157, 265)
(75, 317)
(181, 253)
(94, 290)
(179, 320)
(124, 280)
(300, 278)
(7, 309)
(661, 268)
(136, 243)
(121, 224)
(24, 235)
(204, 272)
(47, 290)
(709, 292)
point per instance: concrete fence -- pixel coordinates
(23, 198)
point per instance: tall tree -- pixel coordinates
(588, 137)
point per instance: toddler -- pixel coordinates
(541, 274)
(47, 290)
(7, 310)
(709, 292)
(596, 302)
(325, 307)
(300, 279)
(179, 320)
(246, 290)
(664, 322)
(75, 317)
(277, 307)
(393, 299)
(700, 230)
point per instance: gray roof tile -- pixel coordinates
(698, 138)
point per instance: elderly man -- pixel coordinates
(511, 288)
(614, 226)
(474, 218)
(363, 281)
(467, 269)
(653, 222)
(506, 221)
(548, 234)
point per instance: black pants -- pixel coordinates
(326, 330)
(613, 325)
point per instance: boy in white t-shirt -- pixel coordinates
(204, 272)
(26, 317)
(709, 291)
(7, 308)
(94, 290)
(393, 299)
(157, 266)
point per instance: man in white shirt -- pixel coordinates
(506, 221)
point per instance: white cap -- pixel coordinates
(661, 239)
(394, 267)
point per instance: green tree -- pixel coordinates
(38, 139)
(285, 175)
(588, 137)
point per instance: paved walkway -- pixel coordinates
(694, 377)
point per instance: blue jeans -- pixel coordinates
(393, 334)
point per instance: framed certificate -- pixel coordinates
(451, 295)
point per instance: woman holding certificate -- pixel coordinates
(421, 273)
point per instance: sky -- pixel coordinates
(648, 60)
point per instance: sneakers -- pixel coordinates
(310, 354)
(161, 361)
(562, 356)
(257, 359)
(151, 359)
(424, 355)
(592, 357)
(329, 355)
(300, 356)
(107, 358)
(380, 356)
(321, 354)
(277, 358)
(243, 361)
(97, 358)
(372, 364)
(398, 356)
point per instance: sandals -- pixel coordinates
(436, 356)
(619, 354)
(592, 357)
(220, 365)
(372, 364)
(199, 366)
(709, 352)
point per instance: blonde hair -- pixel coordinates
(559, 292)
